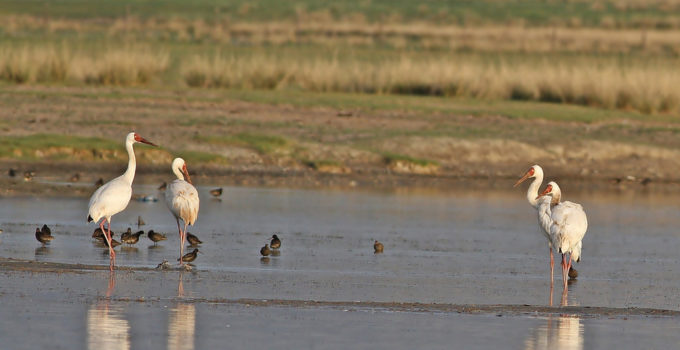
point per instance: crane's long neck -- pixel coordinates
(178, 173)
(132, 163)
(532, 192)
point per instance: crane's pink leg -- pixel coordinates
(565, 270)
(552, 266)
(112, 254)
(181, 242)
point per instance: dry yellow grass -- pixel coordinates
(609, 37)
(127, 66)
(609, 84)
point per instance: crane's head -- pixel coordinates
(135, 137)
(181, 166)
(553, 190)
(534, 171)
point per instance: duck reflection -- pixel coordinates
(559, 332)
(182, 323)
(106, 327)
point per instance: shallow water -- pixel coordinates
(454, 248)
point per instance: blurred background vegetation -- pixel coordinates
(618, 54)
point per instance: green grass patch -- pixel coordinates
(390, 158)
(198, 157)
(263, 144)
(56, 147)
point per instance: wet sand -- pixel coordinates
(470, 268)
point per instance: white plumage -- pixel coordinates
(544, 220)
(182, 200)
(568, 225)
(114, 196)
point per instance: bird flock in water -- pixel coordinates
(563, 224)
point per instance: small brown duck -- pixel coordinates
(156, 237)
(163, 186)
(189, 257)
(46, 230)
(99, 183)
(265, 251)
(43, 237)
(573, 273)
(378, 247)
(28, 175)
(99, 235)
(75, 177)
(193, 240)
(275, 243)
(114, 243)
(131, 238)
(216, 192)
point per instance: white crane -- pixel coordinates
(182, 200)
(114, 196)
(536, 172)
(568, 224)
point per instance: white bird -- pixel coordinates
(114, 196)
(568, 225)
(182, 200)
(536, 172)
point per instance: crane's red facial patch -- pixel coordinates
(548, 189)
(531, 171)
(143, 140)
(527, 175)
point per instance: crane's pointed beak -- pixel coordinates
(526, 176)
(185, 171)
(143, 140)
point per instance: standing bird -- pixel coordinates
(114, 196)
(568, 224)
(191, 256)
(182, 200)
(140, 221)
(265, 251)
(43, 236)
(216, 192)
(193, 240)
(156, 237)
(46, 230)
(131, 238)
(532, 196)
(378, 247)
(275, 243)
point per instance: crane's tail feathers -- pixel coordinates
(89, 218)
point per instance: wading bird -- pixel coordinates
(191, 256)
(114, 196)
(43, 236)
(193, 239)
(567, 223)
(216, 192)
(275, 242)
(265, 251)
(182, 200)
(155, 236)
(378, 247)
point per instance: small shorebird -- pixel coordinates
(100, 235)
(276, 242)
(155, 236)
(191, 256)
(265, 251)
(140, 221)
(43, 236)
(131, 238)
(28, 175)
(75, 177)
(114, 243)
(216, 192)
(163, 186)
(99, 183)
(378, 247)
(193, 240)
(46, 230)
(12, 172)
